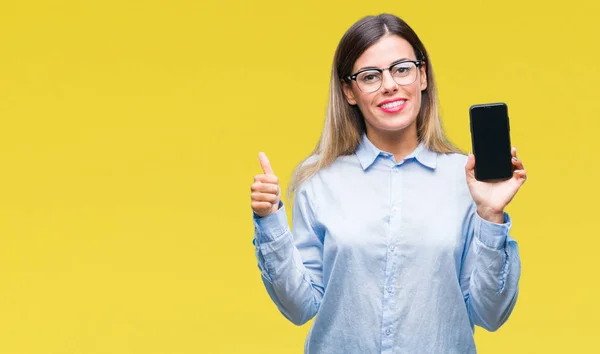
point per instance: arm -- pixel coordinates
(291, 264)
(490, 267)
(490, 270)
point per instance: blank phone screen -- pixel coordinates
(491, 142)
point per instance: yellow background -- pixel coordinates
(129, 133)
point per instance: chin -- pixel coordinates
(394, 124)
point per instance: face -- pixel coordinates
(393, 108)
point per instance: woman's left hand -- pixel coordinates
(492, 197)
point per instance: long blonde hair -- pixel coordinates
(344, 124)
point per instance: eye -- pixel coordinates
(403, 69)
(369, 77)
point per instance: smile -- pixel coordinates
(393, 107)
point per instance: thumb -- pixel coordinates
(470, 167)
(470, 162)
(265, 164)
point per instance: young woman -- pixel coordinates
(396, 247)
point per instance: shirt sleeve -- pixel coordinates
(291, 264)
(490, 271)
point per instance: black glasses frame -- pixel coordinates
(418, 64)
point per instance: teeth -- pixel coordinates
(393, 104)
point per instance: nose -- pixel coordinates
(389, 84)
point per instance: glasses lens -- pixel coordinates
(369, 81)
(404, 73)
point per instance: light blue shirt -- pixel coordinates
(391, 257)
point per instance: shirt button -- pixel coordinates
(388, 332)
(389, 290)
(392, 248)
(395, 209)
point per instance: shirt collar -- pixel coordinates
(367, 153)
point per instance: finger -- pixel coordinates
(470, 169)
(513, 152)
(470, 165)
(265, 188)
(518, 164)
(265, 164)
(521, 174)
(263, 197)
(272, 179)
(259, 207)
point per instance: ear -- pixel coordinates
(348, 93)
(423, 77)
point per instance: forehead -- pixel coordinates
(384, 52)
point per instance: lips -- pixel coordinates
(393, 106)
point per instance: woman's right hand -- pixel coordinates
(265, 191)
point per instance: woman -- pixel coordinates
(396, 247)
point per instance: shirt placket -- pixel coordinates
(389, 327)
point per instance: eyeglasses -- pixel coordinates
(403, 73)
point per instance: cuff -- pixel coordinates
(491, 234)
(272, 226)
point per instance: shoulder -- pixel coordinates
(451, 166)
(329, 176)
(452, 159)
(340, 162)
(342, 166)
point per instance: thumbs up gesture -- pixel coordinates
(266, 193)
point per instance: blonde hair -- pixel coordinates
(344, 124)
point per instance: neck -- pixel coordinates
(398, 143)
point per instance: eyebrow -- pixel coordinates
(392, 64)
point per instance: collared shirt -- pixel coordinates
(391, 257)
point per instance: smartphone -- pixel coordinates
(490, 139)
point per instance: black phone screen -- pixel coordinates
(490, 134)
